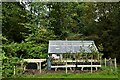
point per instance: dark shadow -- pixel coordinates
(31, 66)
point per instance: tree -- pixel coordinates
(65, 19)
(13, 20)
(102, 21)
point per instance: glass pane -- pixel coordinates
(63, 46)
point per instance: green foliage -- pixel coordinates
(33, 47)
(101, 23)
(26, 32)
(41, 35)
(13, 17)
(8, 66)
(67, 15)
(108, 23)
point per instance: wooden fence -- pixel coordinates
(110, 63)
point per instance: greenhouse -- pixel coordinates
(64, 46)
(73, 54)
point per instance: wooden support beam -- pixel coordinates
(115, 64)
(24, 67)
(73, 66)
(66, 65)
(61, 56)
(100, 61)
(110, 62)
(14, 70)
(91, 63)
(105, 62)
(71, 69)
(55, 69)
(82, 68)
(98, 57)
(96, 68)
(40, 66)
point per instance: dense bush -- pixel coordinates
(8, 66)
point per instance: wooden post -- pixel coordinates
(24, 67)
(100, 61)
(61, 56)
(40, 67)
(66, 65)
(98, 57)
(110, 62)
(91, 64)
(105, 62)
(115, 64)
(14, 70)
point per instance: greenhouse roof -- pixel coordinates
(72, 46)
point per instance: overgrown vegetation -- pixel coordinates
(27, 28)
(101, 74)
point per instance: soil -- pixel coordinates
(33, 71)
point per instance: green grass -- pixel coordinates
(71, 75)
(105, 73)
(101, 74)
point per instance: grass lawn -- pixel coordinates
(100, 74)
(105, 74)
(71, 75)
